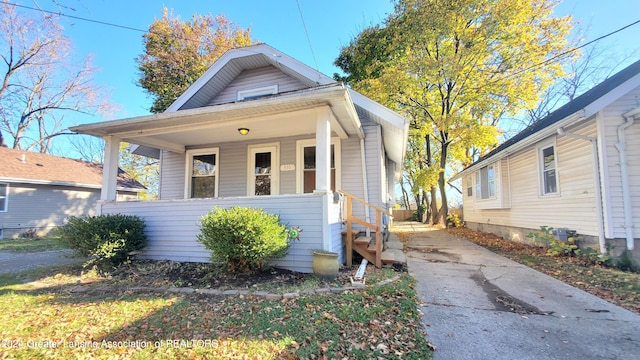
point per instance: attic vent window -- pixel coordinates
(257, 93)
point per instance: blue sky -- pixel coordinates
(331, 24)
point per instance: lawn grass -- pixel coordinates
(42, 309)
(27, 245)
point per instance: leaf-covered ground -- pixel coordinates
(44, 315)
(618, 287)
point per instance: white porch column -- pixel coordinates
(110, 168)
(323, 151)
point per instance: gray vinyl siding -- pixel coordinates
(255, 79)
(233, 167)
(612, 118)
(172, 225)
(373, 148)
(43, 207)
(172, 168)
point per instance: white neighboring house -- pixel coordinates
(577, 168)
(39, 191)
(260, 129)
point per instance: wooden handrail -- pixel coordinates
(364, 202)
(377, 227)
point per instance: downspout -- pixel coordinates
(624, 176)
(596, 170)
(365, 183)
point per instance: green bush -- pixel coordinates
(453, 220)
(243, 239)
(107, 239)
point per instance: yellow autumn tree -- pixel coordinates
(178, 52)
(455, 68)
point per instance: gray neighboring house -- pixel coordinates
(577, 168)
(260, 129)
(39, 191)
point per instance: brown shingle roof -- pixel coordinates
(45, 168)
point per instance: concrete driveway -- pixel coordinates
(16, 262)
(479, 305)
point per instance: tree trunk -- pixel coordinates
(444, 209)
(434, 206)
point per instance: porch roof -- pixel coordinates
(268, 117)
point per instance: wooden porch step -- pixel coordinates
(372, 247)
(365, 240)
(354, 233)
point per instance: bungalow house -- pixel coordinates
(577, 168)
(39, 191)
(261, 129)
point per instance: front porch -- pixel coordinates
(172, 225)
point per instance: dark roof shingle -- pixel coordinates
(570, 108)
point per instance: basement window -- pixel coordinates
(257, 93)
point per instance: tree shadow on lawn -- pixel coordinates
(110, 313)
(35, 277)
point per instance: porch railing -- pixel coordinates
(377, 227)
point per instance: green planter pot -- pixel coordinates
(325, 264)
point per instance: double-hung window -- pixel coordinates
(202, 173)
(548, 165)
(485, 182)
(306, 154)
(469, 186)
(4, 196)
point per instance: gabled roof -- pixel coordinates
(579, 108)
(395, 128)
(17, 166)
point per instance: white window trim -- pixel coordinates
(539, 149)
(478, 183)
(267, 90)
(469, 185)
(275, 168)
(6, 199)
(300, 145)
(189, 168)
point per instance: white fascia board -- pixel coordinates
(62, 183)
(202, 80)
(382, 111)
(393, 124)
(148, 124)
(612, 95)
(48, 182)
(524, 143)
(276, 57)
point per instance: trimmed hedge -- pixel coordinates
(243, 239)
(107, 239)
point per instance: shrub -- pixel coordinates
(453, 220)
(243, 239)
(107, 239)
(29, 234)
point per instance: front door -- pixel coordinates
(263, 174)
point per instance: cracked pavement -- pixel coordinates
(480, 305)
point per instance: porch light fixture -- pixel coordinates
(243, 131)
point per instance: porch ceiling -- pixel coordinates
(279, 116)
